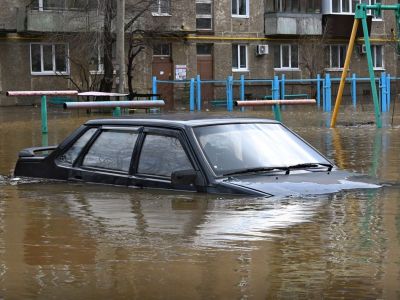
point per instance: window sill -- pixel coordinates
(240, 16)
(96, 72)
(287, 69)
(334, 69)
(49, 73)
(379, 69)
(155, 14)
(240, 70)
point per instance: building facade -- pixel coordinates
(58, 44)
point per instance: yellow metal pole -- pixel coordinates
(345, 70)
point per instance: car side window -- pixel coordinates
(162, 155)
(72, 153)
(112, 150)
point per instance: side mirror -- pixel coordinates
(184, 177)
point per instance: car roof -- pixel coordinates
(179, 122)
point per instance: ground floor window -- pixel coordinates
(337, 56)
(377, 56)
(286, 56)
(239, 57)
(49, 59)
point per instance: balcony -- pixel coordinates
(283, 23)
(29, 20)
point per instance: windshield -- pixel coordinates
(236, 147)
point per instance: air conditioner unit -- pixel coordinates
(262, 49)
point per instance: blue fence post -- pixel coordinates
(198, 81)
(242, 87)
(275, 95)
(383, 91)
(354, 90)
(283, 86)
(328, 93)
(388, 87)
(191, 95)
(229, 104)
(318, 90)
(154, 87)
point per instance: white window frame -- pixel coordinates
(201, 16)
(53, 72)
(158, 12)
(351, 8)
(241, 69)
(374, 54)
(336, 48)
(42, 8)
(100, 66)
(289, 68)
(237, 15)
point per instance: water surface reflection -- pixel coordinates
(66, 241)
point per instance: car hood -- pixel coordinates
(301, 182)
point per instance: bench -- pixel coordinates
(218, 103)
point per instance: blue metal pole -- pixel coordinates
(154, 87)
(354, 90)
(383, 92)
(283, 86)
(191, 95)
(230, 94)
(242, 86)
(198, 80)
(328, 99)
(318, 90)
(44, 114)
(388, 87)
(275, 95)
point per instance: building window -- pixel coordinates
(240, 8)
(286, 57)
(239, 58)
(204, 14)
(349, 6)
(49, 59)
(377, 56)
(337, 56)
(287, 5)
(162, 50)
(96, 60)
(204, 49)
(161, 8)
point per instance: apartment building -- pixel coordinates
(57, 44)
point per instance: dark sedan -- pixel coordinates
(234, 156)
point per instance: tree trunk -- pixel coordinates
(107, 81)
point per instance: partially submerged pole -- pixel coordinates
(112, 104)
(275, 102)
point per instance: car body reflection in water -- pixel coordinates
(202, 220)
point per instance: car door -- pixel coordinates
(162, 151)
(107, 158)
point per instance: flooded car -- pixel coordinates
(229, 156)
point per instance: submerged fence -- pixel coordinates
(277, 88)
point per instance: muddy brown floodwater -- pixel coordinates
(82, 241)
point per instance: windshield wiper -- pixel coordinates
(308, 165)
(254, 170)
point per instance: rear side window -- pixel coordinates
(112, 150)
(161, 155)
(69, 156)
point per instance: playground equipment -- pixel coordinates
(113, 104)
(43, 106)
(361, 14)
(87, 104)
